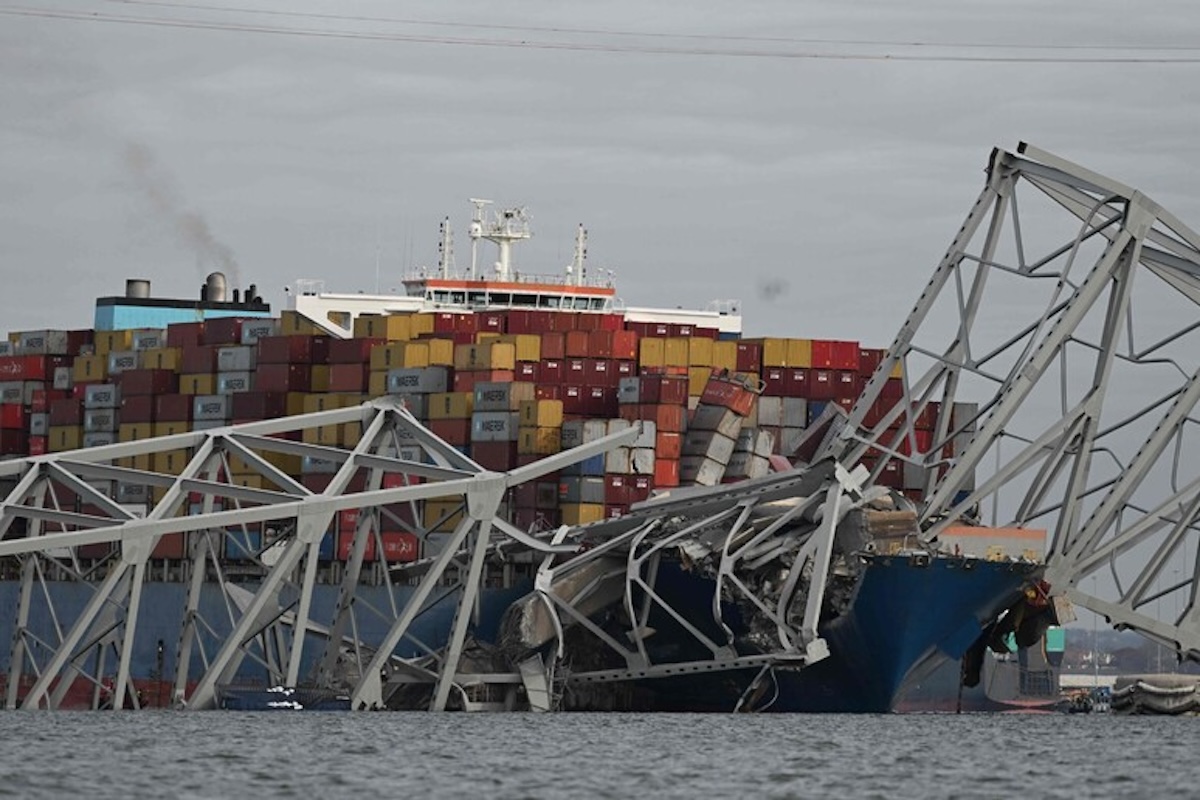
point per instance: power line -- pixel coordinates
(192, 24)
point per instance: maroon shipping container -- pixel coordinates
(640, 487)
(563, 321)
(66, 412)
(616, 490)
(173, 408)
(42, 398)
(868, 360)
(12, 416)
(666, 418)
(496, 456)
(14, 442)
(453, 431)
(198, 359)
(600, 372)
(797, 381)
(223, 330)
(620, 345)
(652, 329)
(352, 351)
(847, 383)
(518, 321)
(489, 322)
(577, 343)
(544, 391)
(294, 349)
(573, 399)
(670, 389)
(893, 389)
(349, 377)
(749, 357)
(625, 369)
(185, 334)
(554, 346)
(137, 408)
(39, 445)
(821, 385)
(259, 405)
(147, 381)
(552, 370)
(575, 370)
(283, 377)
(527, 371)
(172, 546)
(601, 401)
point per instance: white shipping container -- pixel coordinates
(100, 419)
(616, 426)
(64, 378)
(641, 461)
(232, 382)
(417, 404)
(494, 426)
(12, 392)
(418, 380)
(122, 361)
(747, 465)
(492, 396)
(99, 438)
(208, 424)
(708, 444)
(313, 465)
(102, 395)
(236, 359)
(7, 348)
(629, 390)
(720, 420)
(149, 339)
(412, 454)
(616, 461)
(211, 407)
(795, 413)
(43, 343)
(39, 424)
(647, 438)
(770, 411)
(700, 471)
(255, 329)
(133, 493)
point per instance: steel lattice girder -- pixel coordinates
(107, 625)
(1067, 337)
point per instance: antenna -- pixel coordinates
(476, 230)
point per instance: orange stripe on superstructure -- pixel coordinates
(996, 533)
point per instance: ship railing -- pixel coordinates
(604, 281)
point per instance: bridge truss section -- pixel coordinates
(1051, 369)
(197, 482)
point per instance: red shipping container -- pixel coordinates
(928, 416)
(552, 370)
(352, 351)
(399, 546)
(283, 377)
(599, 373)
(527, 371)
(31, 368)
(574, 399)
(668, 418)
(223, 330)
(545, 391)
(38, 445)
(147, 381)
(12, 417)
(293, 350)
(868, 360)
(847, 383)
(496, 456)
(464, 381)
(640, 487)
(14, 442)
(728, 394)
(666, 472)
(518, 321)
(615, 512)
(846, 356)
(453, 431)
(649, 329)
(749, 357)
(42, 398)
(668, 444)
(575, 370)
(681, 329)
(347, 520)
(612, 322)
(349, 377)
(259, 405)
(626, 369)
(706, 333)
(172, 546)
(821, 385)
(137, 408)
(185, 334)
(77, 340)
(66, 412)
(776, 383)
(173, 408)
(577, 344)
(923, 441)
(554, 346)
(847, 403)
(345, 546)
(563, 321)
(489, 322)
(669, 389)
(601, 401)
(616, 490)
(613, 344)
(198, 359)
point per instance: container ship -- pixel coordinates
(507, 368)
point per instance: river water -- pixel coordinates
(330, 755)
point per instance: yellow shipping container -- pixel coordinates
(486, 356)
(697, 380)
(799, 353)
(528, 345)
(774, 352)
(651, 352)
(293, 323)
(420, 324)
(134, 431)
(65, 437)
(351, 433)
(581, 513)
(386, 356)
(89, 369)
(415, 355)
(442, 515)
(319, 378)
(171, 462)
(441, 353)
(198, 384)
(329, 435)
(541, 413)
(700, 352)
(724, 355)
(254, 481)
(675, 351)
(393, 327)
(451, 405)
(295, 403)
(161, 358)
(377, 383)
(170, 428)
(108, 341)
(486, 337)
(539, 441)
(322, 402)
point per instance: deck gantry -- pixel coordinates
(1056, 349)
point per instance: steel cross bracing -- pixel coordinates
(1051, 369)
(396, 463)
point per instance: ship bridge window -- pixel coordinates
(548, 301)
(581, 304)
(501, 299)
(458, 297)
(524, 300)
(478, 298)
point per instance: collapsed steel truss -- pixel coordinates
(1081, 415)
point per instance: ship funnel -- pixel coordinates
(138, 288)
(215, 287)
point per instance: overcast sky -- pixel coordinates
(812, 159)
